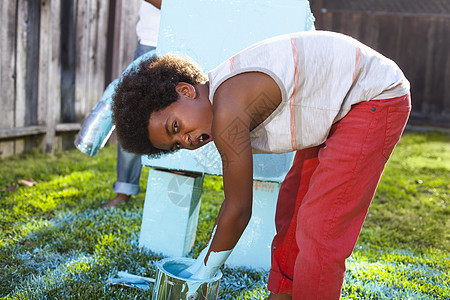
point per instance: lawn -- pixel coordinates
(56, 243)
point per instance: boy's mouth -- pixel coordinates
(203, 139)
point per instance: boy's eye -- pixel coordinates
(178, 145)
(175, 127)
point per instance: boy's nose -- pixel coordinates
(186, 142)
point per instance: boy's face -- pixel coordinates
(184, 124)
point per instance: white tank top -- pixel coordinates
(321, 75)
(147, 28)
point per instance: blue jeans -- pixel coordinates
(128, 166)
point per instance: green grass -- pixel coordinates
(56, 243)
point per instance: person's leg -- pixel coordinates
(340, 191)
(128, 165)
(284, 246)
(128, 168)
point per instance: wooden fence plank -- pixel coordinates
(413, 60)
(109, 67)
(387, 41)
(53, 111)
(100, 51)
(316, 8)
(68, 127)
(430, 59)
(326, 22)
(54, 76)
(81, 58)
(7, 66)
(347, 23)
(96, 50)
(369, 31)
(21, 131)
(437, 54)
(21, 69)
(116, 50)
(7, 71)
(124, 38)
(68, 56)
(122, 57)
(128, 40)
(45, 41)
(445, 37)
(90, 53)
(32, 62)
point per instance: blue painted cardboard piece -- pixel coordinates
(170, 215)
(212, 31)
(254, 247)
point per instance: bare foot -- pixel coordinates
(118, 199)
(279, 297)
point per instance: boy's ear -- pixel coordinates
(185, 89)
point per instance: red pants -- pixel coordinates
(325, 197)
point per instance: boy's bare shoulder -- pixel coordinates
(242, 96)
(242, 89)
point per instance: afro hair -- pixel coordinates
(148, 88)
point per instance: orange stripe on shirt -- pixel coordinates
(293, 95)
(358, 57)
(231, 64)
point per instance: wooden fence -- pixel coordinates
(419, 44)
(56, 59)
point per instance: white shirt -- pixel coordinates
(147, 28)
(320, 75)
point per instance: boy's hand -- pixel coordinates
(196, 267)
(200, 269)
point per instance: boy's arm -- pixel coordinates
(232, 138)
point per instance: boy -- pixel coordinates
(339, 104)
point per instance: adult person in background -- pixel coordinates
(128, 168)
